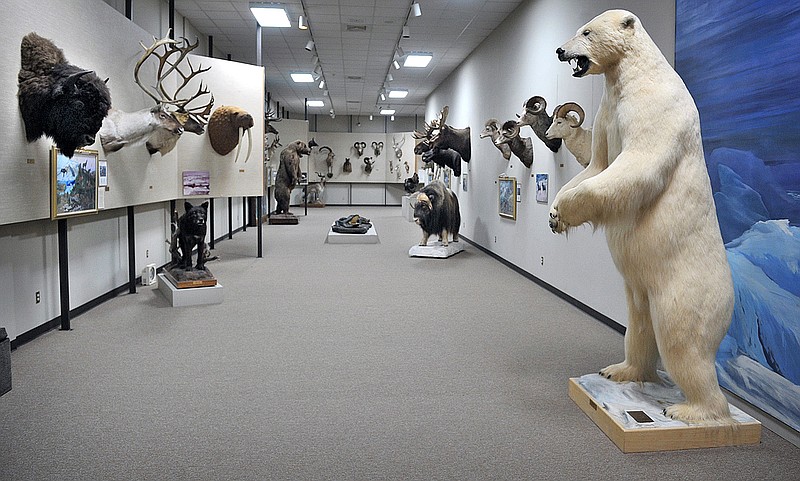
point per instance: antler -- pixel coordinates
(199, 113)
(148, 52)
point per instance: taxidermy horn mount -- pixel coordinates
(226, 129)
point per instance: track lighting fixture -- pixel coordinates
(301, 23)
(406, 32)
(415, 9)
(396, 64)
(310, 45)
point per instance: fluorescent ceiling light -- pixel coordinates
(268, 15)
(418, 60)
(387, 111)
(302, 77)
(398, 94)
(315, 103)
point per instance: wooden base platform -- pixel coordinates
(282, 219)
(183, 279)
(189, 297)
(609, 405)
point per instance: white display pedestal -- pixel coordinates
(609, 403)
(190, 296)
(406, 209)
(436, 250)
(369, 237)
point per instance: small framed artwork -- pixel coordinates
(102, 173)
(196, 182)
(464, 184)
(507, 197)
(541, 188)
(73, 183)
(446, 177)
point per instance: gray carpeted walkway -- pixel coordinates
(334, 362)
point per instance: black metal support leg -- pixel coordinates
(131, 252)
(63, 273)
(211, 223)
(259, 224)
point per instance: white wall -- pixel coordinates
(514, 63)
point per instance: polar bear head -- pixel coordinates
(601, 43)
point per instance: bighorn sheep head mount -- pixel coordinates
(328, 159)
(442, 136)
(368, 163)
(534, 114)
(491, 130)
(567, 121)
(398, 146)
(377, 147)
(360, 146)
(521, 147)
(226, 129)
(57, 99)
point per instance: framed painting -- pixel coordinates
(748, 118)
(507, 197)
(196, 182)
(73, 183)
(541, 188)
(102, 173)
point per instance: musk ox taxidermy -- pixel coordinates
(288, 174)
(226, 129)
(436, 212)
(57, 99)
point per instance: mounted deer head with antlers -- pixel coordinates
(398, 146)
(160, 125)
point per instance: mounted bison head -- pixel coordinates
(57, 99)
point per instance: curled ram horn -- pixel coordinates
(360, 146)
(564, 109)
(226, 129)
(536, 104)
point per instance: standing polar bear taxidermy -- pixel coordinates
(647, 185)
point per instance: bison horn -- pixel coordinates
(69, 83)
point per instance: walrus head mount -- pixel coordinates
(226, 129)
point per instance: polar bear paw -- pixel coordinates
(624, 372)
(694, 413)
(556, 224)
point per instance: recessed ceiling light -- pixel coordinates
(302, 77)
(268, 15)
(387, 111)
(418, 60)
(398, 94)
(315, 103)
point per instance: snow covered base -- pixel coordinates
(436, 250)
(609, 405)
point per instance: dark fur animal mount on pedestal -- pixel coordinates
(190, 233)
(436, 212)
(57, 99)
(288, 174)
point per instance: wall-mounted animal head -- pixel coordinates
(377, 147)
(441, 135)
(398, 146)
(57, 99)
(226, 129)
(534, 114)
(360, 146)
(347, 167)
(328, 159)
(521, 147)
(567, 121)
(368, 164)
(411, 184)
(491, 130)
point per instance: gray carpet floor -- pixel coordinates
(334, 362)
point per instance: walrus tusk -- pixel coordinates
(239, 144)
(249, 144)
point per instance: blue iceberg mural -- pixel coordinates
(741, 64)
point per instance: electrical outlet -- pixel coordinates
(495, 238)
(38, 297)
(542, 260)
(147, 253)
